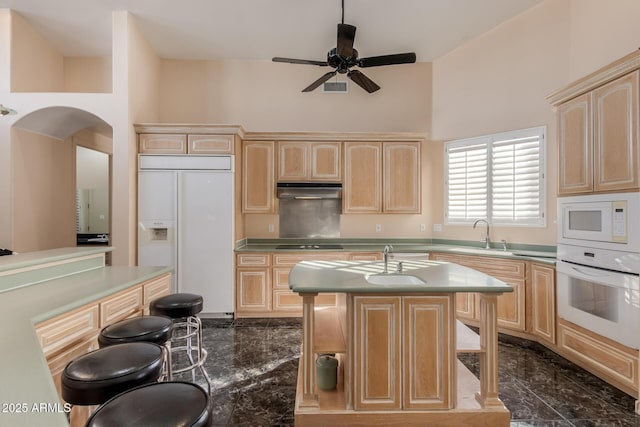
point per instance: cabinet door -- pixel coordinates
(293, 161)
(151, 143)
(258, 177)
(377, 353)
(362, 189)
(325, 161)
(428, 372)
(575, 164)
(210, 144)
(401, 179)
(615, 130)
(543, 294)
(253, 287)
(511, 305)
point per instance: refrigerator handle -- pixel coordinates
(178, 245)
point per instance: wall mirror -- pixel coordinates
(92, 192)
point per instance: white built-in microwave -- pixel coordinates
(607, 221)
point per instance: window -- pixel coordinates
(497, 177)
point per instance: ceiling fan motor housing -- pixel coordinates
(342, 64)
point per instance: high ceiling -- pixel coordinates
(261, 29)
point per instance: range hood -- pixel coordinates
(310, 210)
(309, 190)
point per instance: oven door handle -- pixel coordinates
(590, 273)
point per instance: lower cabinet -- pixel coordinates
(262, 282)
(511, 306)
(400, 361)
(543, 302)
(72, 334)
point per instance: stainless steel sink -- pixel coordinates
(394, 279)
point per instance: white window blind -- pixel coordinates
(497, 177)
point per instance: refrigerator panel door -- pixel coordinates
(157, 195)
(205, 238)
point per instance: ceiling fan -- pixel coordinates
(344, 56)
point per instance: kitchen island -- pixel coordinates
(396, 338)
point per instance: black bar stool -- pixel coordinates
(183, 308)
(97, 376)
(171, 403)
(155, 329)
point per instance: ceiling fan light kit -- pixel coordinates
(6, 110)
(343, 57)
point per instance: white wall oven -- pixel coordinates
(599, 264)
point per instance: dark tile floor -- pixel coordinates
(253, 367)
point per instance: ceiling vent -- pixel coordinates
(335, 87)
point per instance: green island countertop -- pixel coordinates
(28, 396)
(361, 277)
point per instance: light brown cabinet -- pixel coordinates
(598, 139)
(258, 177)
(253, 284)
(397, 366)
(511, 306)
(543, 302)
(401, 178)
(210, 144)
(395, 190)
(309, 161)
(163, 143)
(69, 335)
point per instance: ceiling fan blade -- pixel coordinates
(346, 36)
(299, 61)
(377, 61)
(363, 81)
(318, 82)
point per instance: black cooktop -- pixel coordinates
(308, 247)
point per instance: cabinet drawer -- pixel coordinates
(291, 259)
(150, 143)
(253, 260)
(120, 306)
(286, 300)
(281, 278)
(210, 144)
(68, 329)
(365, 256)
(155, 289)
(608, 358)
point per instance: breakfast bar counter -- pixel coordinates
(396, 338)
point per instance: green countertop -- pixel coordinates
(26, 379)
(354, 277)
(537, 253)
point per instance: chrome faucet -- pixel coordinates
(504, 245)
(487, 242)
(385, 256)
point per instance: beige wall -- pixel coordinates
(87, 74)
(499, 81)
(43, 192)
(264, 96)
(35, 65)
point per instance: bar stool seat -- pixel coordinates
(187, 338)
(155, 329)
(177, 306)
(96, 377)
(160, 404)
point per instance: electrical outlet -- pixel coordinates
(271, 228)
(423, 227)
(378, 228)
(437, 227)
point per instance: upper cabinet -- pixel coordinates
(309, 161)
(258, 177)
(598, 130)
(381, 177)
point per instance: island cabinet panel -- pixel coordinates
(428, 372)
(120, 306)
(63, 331)
(399, 362)
(155, 289)
(377, 353)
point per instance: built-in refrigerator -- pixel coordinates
(185, 220)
